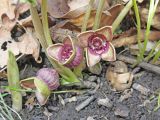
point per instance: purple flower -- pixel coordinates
(68, 53)
(98, 45)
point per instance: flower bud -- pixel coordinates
(50, 77)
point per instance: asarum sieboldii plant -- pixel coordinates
(98, 45)
(67, 53)
(46, 79)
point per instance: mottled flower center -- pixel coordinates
(98, 44)
(66, 52)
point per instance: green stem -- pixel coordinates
(87, 15)
(121, 16)
(138, 25)
(45, 22)
(98, 14)
(157, 55)
(151, 54)
(56, 92)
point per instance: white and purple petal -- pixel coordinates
(92, 59)
(106, 31)
(110, 54)
(53, 51)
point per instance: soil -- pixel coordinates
(137, 106)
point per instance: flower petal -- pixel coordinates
(68, 40)
(107, 31)
(53, 51)
(91, 58)
(110, 54)
(83, 38)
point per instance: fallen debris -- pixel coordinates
(141, 89)
(118, 76)
(90, 118)
(75, 98)
(122, 111)
(105, 102)
(92, 78)
(126, 94)
(85, 103)
(119, 42)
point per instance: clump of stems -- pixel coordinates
(43, 34)
(152, 9)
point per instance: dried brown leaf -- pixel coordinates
(69, 8)
(6, 43)
(29, 43)
(132, 39)
(7, 8)
(107, 19)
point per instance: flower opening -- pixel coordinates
(98, 44)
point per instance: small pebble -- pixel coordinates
(89, 84)
(122, 111)
(92, 78)
(141, 89)
(90, 118)
(105, 102)
(51, 108)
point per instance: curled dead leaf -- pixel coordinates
(58, 34)
(124, 40)
(6, 43)
(69, 8)
(29, 43)
(7, 8)
(12, 9)
(118, 76)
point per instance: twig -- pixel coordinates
(85, 103)
(144, 65)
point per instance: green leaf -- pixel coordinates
(13, 80)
